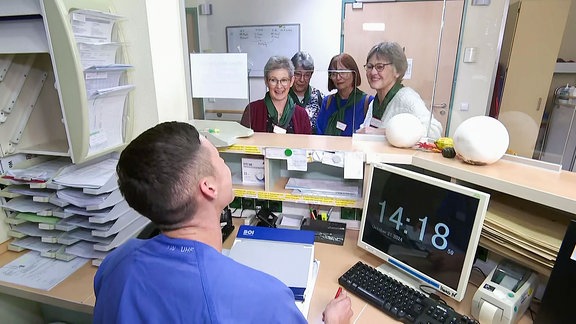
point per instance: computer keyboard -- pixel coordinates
(397, 300)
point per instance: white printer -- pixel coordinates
(505, 294)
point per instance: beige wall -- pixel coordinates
(163, 94)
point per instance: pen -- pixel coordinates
(338, 292)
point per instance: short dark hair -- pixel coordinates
(348, 61)
(159, 171)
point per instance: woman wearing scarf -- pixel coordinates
(303, 94)
(385, 67)
(277, 112)
(342, 113)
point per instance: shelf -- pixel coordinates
(55, 148)
(565, 67)
(278, 193)
(23, 36)
(545, 187)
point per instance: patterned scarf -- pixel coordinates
(273, 113)
(306, 100)
(338, 115)
(378, 108)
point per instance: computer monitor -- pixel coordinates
(424, 228)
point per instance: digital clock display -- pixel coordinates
(422, 225)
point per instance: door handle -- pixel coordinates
(442, 105)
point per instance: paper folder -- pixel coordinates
(283, 253)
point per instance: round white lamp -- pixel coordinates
(481, 140)
(404, 130)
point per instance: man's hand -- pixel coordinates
(338, 310)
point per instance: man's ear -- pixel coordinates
(208, 187)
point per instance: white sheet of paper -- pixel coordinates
(408, 74)
(32, 270)
(106, 118)
(353, 165)
(298, 161)
(92, 176)
(97, 54)
(93, 25)
(335, 159)
(219, 75)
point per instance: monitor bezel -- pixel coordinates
(483, 200)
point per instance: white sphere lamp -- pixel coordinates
(481, 140)
(404, 130)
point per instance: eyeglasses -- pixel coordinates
(283, 82)
(379, 67)
(305, 75)
(339, 73)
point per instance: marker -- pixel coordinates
(338, 292)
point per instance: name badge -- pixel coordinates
(279, 130)
(375, 122)
(341, 126)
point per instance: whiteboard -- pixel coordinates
(261, 42)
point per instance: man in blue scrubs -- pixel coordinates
(176, 178)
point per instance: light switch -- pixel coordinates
(470, 54)
(464, 106)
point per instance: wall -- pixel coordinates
(164, 96)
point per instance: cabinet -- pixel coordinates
(59, 125)
(560, 138)
(532, 38)
(545, 196)
(39, 36)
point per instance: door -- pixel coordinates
(416, 26)
(530, 69)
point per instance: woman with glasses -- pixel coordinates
(277, 112)
(342, 113)
(385, 67)
(301, 92)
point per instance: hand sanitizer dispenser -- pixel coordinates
(505, 294)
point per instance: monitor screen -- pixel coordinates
(423, 227)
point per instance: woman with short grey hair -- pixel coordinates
(385, 67)
(302, 92)
(277, 112)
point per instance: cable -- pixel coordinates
(477, 268)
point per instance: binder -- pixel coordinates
(283, 253)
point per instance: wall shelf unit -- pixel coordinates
(546, 197)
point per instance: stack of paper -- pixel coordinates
(283, 253)
(523, 234)
(103, 75)
(79, 211)
(328, 188)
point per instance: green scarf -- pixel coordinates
(273, 113)
(378, 108)
(306, 100)
(338, 115)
